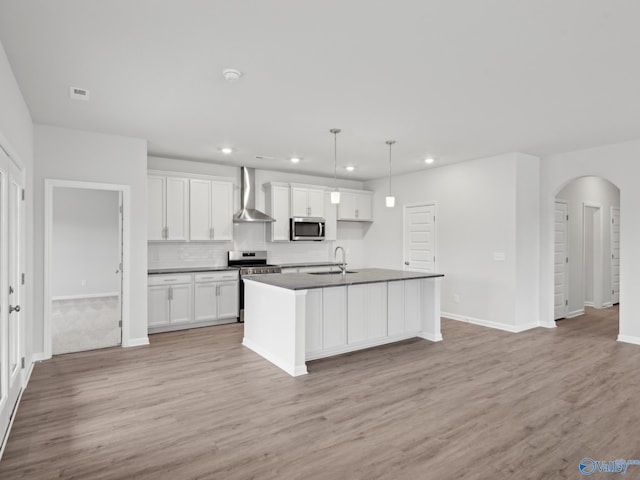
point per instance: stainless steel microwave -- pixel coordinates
(306, 228)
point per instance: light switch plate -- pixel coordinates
(498, 256)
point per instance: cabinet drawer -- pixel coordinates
(216, 276)
(168, 279)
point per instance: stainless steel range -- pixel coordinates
(250, 263)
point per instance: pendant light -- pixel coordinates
(335, 195)
(390, 200)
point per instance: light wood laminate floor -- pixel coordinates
(483, 404)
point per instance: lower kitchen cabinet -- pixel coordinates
(192, 300)
(367, 312)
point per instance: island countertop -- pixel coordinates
(306, 281)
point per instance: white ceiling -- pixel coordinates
(457, 79)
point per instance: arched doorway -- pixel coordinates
(587, 252)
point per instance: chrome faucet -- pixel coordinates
(343, 265)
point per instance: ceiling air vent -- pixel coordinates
(79, 93)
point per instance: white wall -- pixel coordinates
(478, 205)
(91, 157)
(620, 164)
(86, 251)
(253, 236)
(595, 191)
(16, 137)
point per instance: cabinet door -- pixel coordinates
(299, 202)
(155, 207)
(363, 206)
(177, 208)
(412, 306)
(158, 306)
(395, 308)
(313, 327)
(222, 211)
(315, 202)
(367, 312)
(279, 210)
(228, 305)
(205, 301)
(181, 303)
(347, 206)
(334, 307)
(200, 209)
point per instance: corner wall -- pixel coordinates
(91, 157)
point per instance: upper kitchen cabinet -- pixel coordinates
(168, 208)
(211, 209)
(278, 207)
(307, 201)
(355, 205)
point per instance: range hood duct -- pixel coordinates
(248, 212)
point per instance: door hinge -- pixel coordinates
(22, 278)
(566, 260)
(120, 323)
(613, 221)
(566, 302)
(120, 267)
(567, 218)
(23, 362)
(23, 194)
(613, 292)
(120, 208)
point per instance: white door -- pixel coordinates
(181, 303)
(158, 298)
(420, 237)
(206, 301)
(561, 259)
(12, 333)
(615, 255)
(228, 299)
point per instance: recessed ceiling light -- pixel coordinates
(226, 150)
(350, 168)
(429, 160)
(295, 159)
(231, 74)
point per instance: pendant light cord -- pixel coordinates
(335, 132)
(390, 143)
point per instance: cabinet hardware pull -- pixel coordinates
(14, 309)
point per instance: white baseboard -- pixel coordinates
(86, 296)
(487, 323)
(548, 324)
(290, 368)
(575, 313)
(39, 357)
(588, 304)
(135, 342)
(607, 305)
(629, 339)
(431, 337)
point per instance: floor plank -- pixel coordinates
(197, 405)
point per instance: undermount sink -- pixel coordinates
(331, 273)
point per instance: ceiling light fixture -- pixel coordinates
(350, 168)
(335, 195)
(429, 160)
(231, 74)
(390, 200)
(226, 150)
(294, 159)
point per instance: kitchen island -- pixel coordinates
(295, 317)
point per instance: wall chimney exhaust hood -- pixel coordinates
(248, 212)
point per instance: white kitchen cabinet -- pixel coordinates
(334, 309)
(191, 300)
(211, 210)
(367, 312)
(170, 300)
(307, 201)
(168, 208)
(355, 205)
(403, 307)
(314, 321)
(278, 199)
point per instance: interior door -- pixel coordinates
(561, 258)
(615, 255)
(12, 361)
(419, 237)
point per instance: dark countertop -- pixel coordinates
(305, 281)
(160, 271)
(309, 264)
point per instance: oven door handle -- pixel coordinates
(321, 225)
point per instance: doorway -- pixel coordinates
(592, 248)
(86, 266)
(419, 237)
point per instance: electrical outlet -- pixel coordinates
(83, 283)
(456, 298)
(499, 256)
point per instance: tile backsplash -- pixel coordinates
(253, 237)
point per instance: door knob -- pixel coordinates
(14, 309)
(406, 263)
